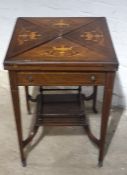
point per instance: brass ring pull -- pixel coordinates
(30, 78)
(93, 78)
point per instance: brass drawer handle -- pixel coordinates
(93, 77)
(30, 78)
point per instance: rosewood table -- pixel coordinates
(74, 51)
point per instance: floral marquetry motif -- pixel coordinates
(93, 36)
(61, 23)
(60, 51)
(27, 35)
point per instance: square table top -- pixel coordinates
(61, 41)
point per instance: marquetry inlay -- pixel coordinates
(27, 35)
(60, 51)
(61, 23)
(60, 39)
(93, 36)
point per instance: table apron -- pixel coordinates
(60, 78)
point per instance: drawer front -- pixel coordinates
(60, 78)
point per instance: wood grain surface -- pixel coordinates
(44, 41)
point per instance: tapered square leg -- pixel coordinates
(94, 99)
(108, 89)
(27, 99)
(17, 113)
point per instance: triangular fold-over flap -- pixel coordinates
(28, 35)
(62, 25)
(92, 36)
(61, 50)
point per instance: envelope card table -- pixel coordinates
(61, 51)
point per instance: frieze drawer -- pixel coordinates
(60, 78)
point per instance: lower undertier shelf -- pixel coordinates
(60, 109)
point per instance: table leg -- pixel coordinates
(27, 99)
(105, 114)
(17, 113)
(94, 98)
